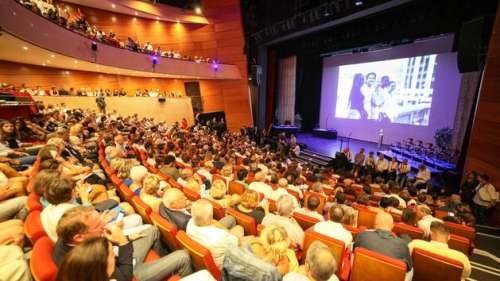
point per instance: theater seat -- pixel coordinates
(191, 194)
(116, 180)
(273, 207)
(42, 266)
(412, 231)
(369, 265)
(168, 231)
(336, 246)
(396, 217)
(236, 188)
(219, 212)
(366, 217)
(295, 193)
(33, 203)
(201, 258)
(354, 230)
(125, 192)
(143, 209)
(462, 230)
(33, 227)
(429, 266)
(460, 243)
(305, 221)
(246, 221)
(440, 214)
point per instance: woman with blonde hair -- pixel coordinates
(150, 193)
(249, 205)
(218, 193)
(273, 246)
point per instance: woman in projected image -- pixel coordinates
(357, 99)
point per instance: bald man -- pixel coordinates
(383, 241)
(320, 265)
(173, 208)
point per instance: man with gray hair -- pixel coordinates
(201, 229)
(285, 206)
(320, 265)
(260, 186)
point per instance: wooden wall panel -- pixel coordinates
(484, 151)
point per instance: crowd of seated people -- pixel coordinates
(182, 174)
(77, 21)
(89, 92)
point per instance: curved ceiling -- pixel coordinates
(144, 9)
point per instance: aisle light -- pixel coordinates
(197, 10)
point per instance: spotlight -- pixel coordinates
(113, 6)
(197, 10)
(358, 3)
(25, 48)
(215, 65)
(136, 13)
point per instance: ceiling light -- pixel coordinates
(135, 19)
(113, 19)
(75, 61)
(157, 18)
(25, 48)
(113, 6)
(358, 3)
(44, 64)
(197, 10)
(136, 13)
(48, 61)
(178, 21)
(52, 56)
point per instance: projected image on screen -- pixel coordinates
(395, 91)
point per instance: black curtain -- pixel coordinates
(308, 89)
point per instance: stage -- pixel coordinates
(323, 148)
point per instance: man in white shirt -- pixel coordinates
(423, 175)
(403, 169)
(425, 219)
(334, 228)
(310, 208)
(320, 265)
(260, 186)
(381, 166)
(284, 218)
(200, 229)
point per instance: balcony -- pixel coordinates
(35, 30)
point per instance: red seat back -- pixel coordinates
(125, 192)
(460, 243)
(462, 230)
(42, 266)
(33, 227)
(246, 221)
(236, 188)
(369, 265)
(33, 203)
(429, 266)
(168, 231)
(305, 221)
(412, 231)
(143, 209)
(366, 217)
(201, 258)
(219, 212)
(191, 195)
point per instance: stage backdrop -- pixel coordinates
(406, 91)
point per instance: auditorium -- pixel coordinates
(249, 140)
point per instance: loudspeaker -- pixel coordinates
(193, 91)
(473, 44)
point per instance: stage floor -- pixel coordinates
(329, 147)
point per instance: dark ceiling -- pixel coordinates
(184, 4)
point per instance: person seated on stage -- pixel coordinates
(423, 176)
(359, 162)
(80, 224)
(392, 169)
(403, 169)
(383, 241)
(370, 163)
(381, 166)
(440, 235)
(333, 227)
(320, 264)
(310, 207)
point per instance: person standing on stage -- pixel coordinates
(381, 166)
(403, 170)
(101, 103)
(359, 161)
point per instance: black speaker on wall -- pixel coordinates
(192, 90)
(473, 44)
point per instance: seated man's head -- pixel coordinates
(194, 185)
(312, 202)
(218, 189)
(242, 174)
(186, 173)
(282, 183)
(169, 160)
(260, 176)
(385, 202)
(202, 212)
(439, 232)
(44, 178)
(151, 184)
(250, 199)
(138, 173)
(320, 262)
(336, 214)
(285, 205)
(79, 224)
(384, 221)
(59, 190)
(174, 199)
